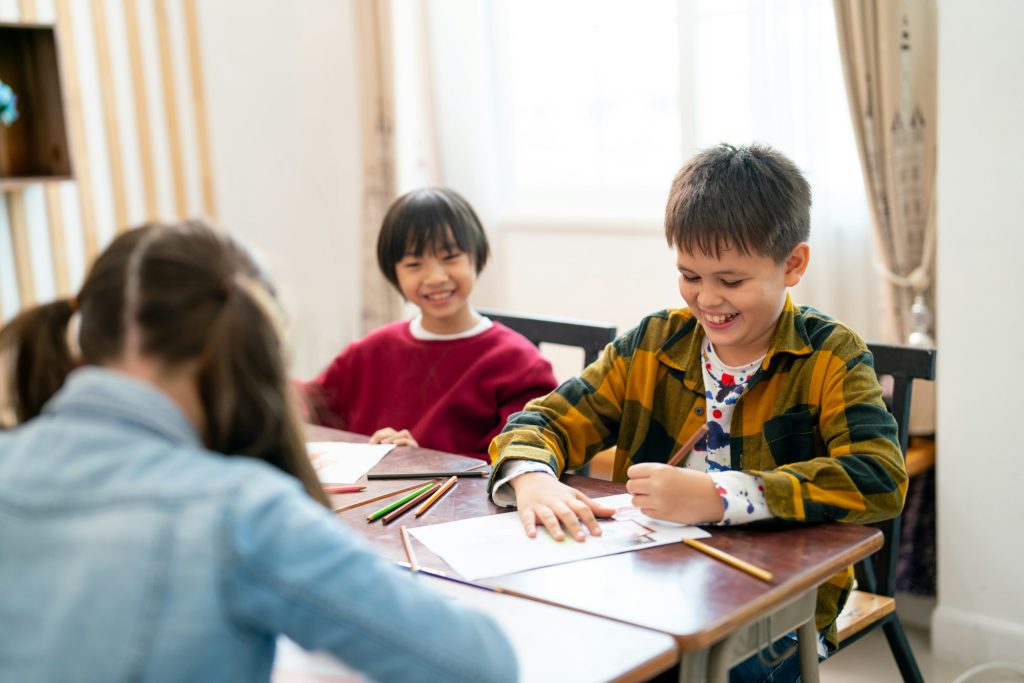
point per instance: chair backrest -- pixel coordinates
(904, 364)
(591, 336)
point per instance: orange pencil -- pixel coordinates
(376, 498)
(395, 514)
(437, 494)
(688, 446)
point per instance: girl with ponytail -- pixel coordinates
(130, 544)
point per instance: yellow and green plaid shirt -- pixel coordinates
(811, 422)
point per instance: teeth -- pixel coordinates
(438, 297)
(719, 319)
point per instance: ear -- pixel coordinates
(796, 263)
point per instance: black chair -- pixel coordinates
(591, 336)
(873, 604)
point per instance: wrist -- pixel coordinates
(526, 479)
(712, 505)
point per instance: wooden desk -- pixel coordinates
(714, 612)
(553, 644)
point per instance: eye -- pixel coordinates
(689, 278)
(452, 255)
(732, 283)
(410, 265)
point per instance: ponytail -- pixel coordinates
(244, 388)
(39, 359)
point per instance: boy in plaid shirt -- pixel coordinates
(797, 426)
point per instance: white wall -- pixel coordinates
(980, 469)
(285, 136)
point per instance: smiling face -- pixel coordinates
(439, 282)
(738, 297)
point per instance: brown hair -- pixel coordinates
(194, 295)
(751, 198)
(428, 219)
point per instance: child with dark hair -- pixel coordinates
(797, 429)
(152, 510)
(449, 378)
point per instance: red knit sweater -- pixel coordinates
(452, 395)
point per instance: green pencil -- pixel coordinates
(398, 503)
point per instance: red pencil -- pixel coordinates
(353, 488)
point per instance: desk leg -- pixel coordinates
(807, 638)
(797, 615)
(693, 667)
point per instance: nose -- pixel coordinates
(708, 297)
(436, 272)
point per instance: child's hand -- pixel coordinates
(674, 494)
(540, 497)
(389, 435)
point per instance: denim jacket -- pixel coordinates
(129, 552)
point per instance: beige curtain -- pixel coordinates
(380, 303)
(888, 50)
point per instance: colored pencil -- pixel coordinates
(398, 503)
(742, 565)
(427, 475)
(407, 544)
(376, 498)
(344, 489)
(688, 446)
(436, 495)
(395, 514)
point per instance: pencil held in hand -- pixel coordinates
(688, 446)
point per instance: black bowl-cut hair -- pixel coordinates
(433, 219)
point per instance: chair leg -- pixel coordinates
(901, 650)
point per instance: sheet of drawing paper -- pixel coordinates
(338, 462)
(495, 545)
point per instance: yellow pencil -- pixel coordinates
(437, 494)
(742, 565)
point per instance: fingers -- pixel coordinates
(397, 437)
(381, 434)
(633, 486)
(529, 520)
(643, 470)
(550, 521)
(585, 515)
(543, 500)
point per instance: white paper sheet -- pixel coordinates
(494, 545)
(338, 462)
(291, 658)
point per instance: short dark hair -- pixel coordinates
(752, 198)
(428, 219)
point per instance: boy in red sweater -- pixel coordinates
(449, 378)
